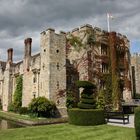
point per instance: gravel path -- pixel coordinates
(120, 122)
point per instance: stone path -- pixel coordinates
(119, 122)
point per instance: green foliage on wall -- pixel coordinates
(107, 91)
(17, 100)
(101, 99)
(91, 40)
(116, 93)
(18, 91)
(75, 42)
(70, 100)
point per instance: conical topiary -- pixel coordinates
(87, 100)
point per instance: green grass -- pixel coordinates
(69, 132)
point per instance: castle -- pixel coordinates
(64, 58)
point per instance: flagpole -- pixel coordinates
(108, 23)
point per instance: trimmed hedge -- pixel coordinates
(86, 106)
(87, 96)
(137, 122)
(86, 116)
(85, 84)
(89, 101)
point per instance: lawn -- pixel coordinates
(69, 132)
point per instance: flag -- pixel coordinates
(109, 16)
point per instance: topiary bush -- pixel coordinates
(85, 84)
(137, 122)
(42, 107)
(86, 116)
(87, 100)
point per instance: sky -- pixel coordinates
(20, 19)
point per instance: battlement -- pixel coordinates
(51, 30)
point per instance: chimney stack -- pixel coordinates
(27, 54)
(28, 44)
(10, 55)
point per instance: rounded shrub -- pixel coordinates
(23, 110)
(86, 116)
(42, 107)
(137, 122)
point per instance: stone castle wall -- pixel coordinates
(47, 73)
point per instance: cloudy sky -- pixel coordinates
(27, 18)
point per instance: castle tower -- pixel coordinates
(7, 86)
(53, 69)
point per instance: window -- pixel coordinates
(57, 66)
(103, 49)
(34, 94)
(57, 84)
(104, 68)
(35, 78)
(43, 66)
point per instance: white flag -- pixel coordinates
(109, 16)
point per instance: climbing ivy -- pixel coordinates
(76, 42)
(116, 92)
(107, 91)
(17, 100)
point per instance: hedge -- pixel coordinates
(137, 122)
(86, 116)
(87, 96)
(85, 84)
(82, 105)
(89, 101)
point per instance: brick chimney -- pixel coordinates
(28, 44)
(10, 55)
(27, 53)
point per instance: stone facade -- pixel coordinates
(55, 69)
(44, 74)
(135, 63)
(92, 60)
